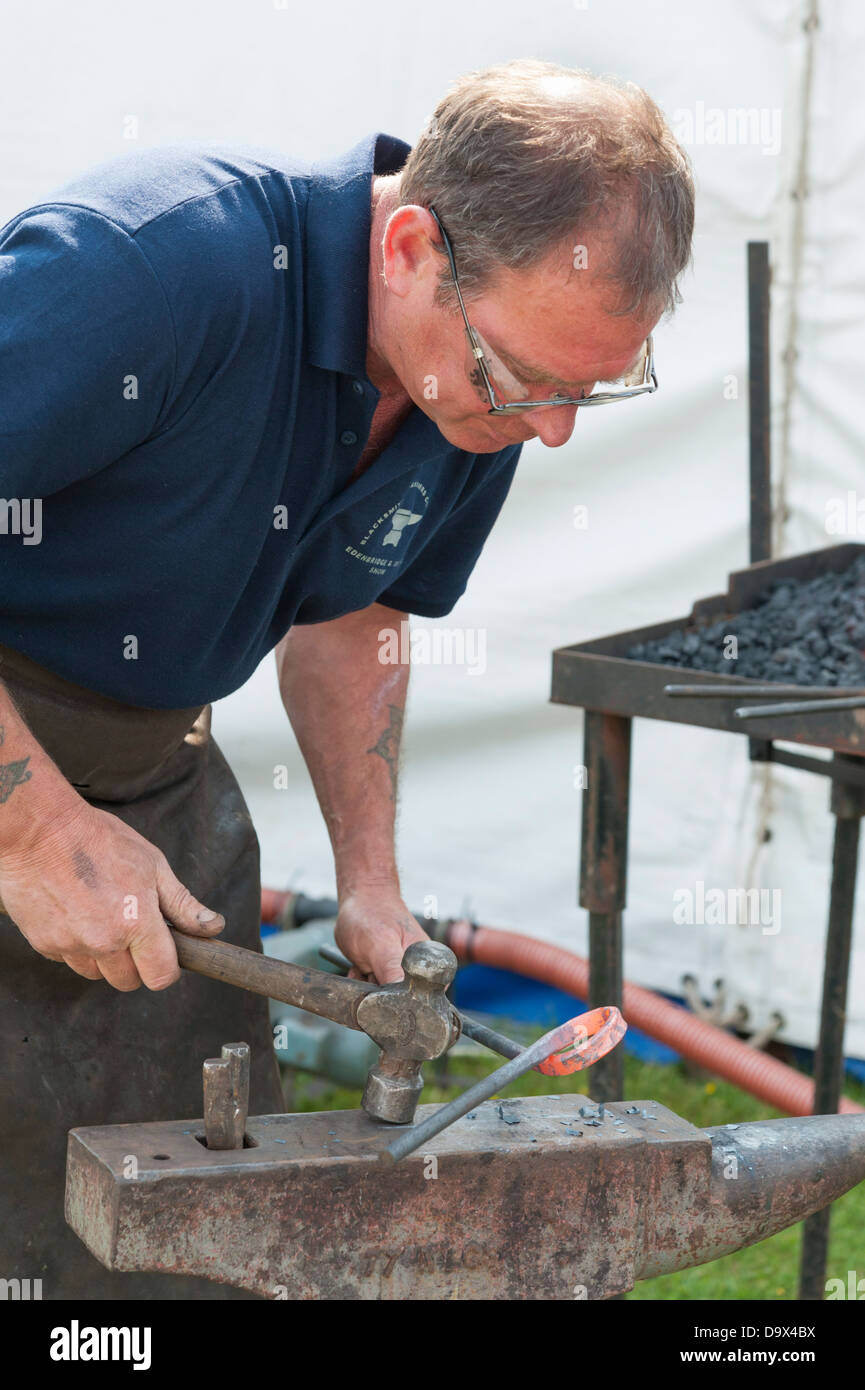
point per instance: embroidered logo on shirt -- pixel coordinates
(400, 517)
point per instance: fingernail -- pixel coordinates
(206, 916)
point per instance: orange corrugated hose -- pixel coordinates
(713, 1048)
(273, 904)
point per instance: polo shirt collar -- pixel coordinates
(337, 252)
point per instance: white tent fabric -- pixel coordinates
(772, 111)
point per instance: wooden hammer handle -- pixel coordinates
(317, 991)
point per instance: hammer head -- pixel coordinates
(411, 1022)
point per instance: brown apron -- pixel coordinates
(77, 1052)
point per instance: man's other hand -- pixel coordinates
(373, 928)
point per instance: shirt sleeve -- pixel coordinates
(86, 348)
(437, 577)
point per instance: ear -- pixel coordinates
(407, 248)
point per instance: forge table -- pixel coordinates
(613, 690)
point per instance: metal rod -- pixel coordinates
(711, 692)
(527, 1058)
(798, 707)
(488, 1037)
(335, 957)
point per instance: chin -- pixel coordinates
(478, 436)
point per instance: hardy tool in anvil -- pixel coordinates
(411, 1022)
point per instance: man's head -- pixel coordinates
(569, 207)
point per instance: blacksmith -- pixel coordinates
(264, 406)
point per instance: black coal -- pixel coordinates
(801, 632)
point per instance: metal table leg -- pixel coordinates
(603, 875)
(848, 806)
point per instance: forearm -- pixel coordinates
(33, 792)
(346, 708)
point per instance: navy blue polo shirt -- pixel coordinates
(183, 401)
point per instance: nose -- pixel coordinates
(553, 424)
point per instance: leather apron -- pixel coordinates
(77, 1052)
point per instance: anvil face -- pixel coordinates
(525, 1199)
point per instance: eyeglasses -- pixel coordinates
(639, 381)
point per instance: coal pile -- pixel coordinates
(801, 632)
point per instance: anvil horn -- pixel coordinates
(765, 1176)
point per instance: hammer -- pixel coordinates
(411, 1022)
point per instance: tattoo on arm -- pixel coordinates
(11, 776)
(388, 746)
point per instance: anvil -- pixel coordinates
(547, 1197)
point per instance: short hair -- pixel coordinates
(520, 156)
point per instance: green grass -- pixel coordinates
(768, 1271)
